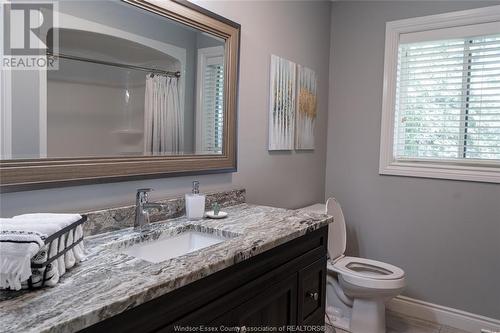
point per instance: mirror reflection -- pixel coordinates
(133, 83)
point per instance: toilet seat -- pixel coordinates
(368, 268)
(368, 273)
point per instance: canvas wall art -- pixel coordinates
(306, 108)
(282, 108)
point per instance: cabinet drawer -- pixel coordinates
(312, 297)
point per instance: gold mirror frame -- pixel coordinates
(29, 174)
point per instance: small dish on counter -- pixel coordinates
(210, 214)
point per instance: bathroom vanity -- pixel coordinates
(268, 270)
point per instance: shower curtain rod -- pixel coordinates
(115, 64)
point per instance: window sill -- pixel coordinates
(475, 173)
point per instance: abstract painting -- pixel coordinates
(282, 104)
(306, 109)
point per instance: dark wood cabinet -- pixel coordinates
(312, 293)
(274, 307)
(283, 287)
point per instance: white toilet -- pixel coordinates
(357, 288)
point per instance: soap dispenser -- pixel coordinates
(195, 202)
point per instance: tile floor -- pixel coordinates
(397, 323)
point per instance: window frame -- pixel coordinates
(204, 57)
(480, 171)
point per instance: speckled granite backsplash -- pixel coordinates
(123, 217)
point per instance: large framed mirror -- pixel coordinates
(132, 89)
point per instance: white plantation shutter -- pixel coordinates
(210, 100)
(448, 100)
(213, 97)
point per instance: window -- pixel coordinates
(441, 108)
(210, 107)
(213, 98)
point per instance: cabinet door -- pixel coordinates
(276, 306)
(312, 296)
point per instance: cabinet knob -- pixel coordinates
(312, 295)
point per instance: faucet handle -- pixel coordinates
(142, 195)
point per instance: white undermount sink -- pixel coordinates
(159, 250)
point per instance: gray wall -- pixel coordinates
(25, 116)
(296, 30)
(444, 234)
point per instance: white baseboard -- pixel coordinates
(443, 315)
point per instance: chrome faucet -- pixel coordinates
(142, 207)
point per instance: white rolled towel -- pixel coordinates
(51, 277)
(78, 249)
(53, 269)
(69, 257)
(49, 274)
(60, 261)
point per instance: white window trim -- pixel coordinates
(457, 170)
(203, 56)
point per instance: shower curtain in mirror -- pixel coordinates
(163, 117)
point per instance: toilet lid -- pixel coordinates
(337, 236)
(368, 268)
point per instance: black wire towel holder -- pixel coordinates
(57, 237)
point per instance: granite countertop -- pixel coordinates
(109, 282)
